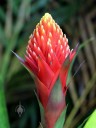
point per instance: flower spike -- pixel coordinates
(48, 57)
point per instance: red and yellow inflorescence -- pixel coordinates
(46, 56)
(46, 52)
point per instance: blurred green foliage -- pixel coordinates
(18, 19)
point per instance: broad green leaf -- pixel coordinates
(91, 123)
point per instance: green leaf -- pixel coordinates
(91, 123)
(41, 110)
(2, 14)
(4, 122)
(82, 125)
(3, 39)
(61, 120)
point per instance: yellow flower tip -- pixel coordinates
(46, 17)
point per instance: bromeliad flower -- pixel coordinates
(48, 57)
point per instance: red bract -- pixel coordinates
(48, 56)
(46, 52)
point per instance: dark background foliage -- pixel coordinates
(77, 18)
